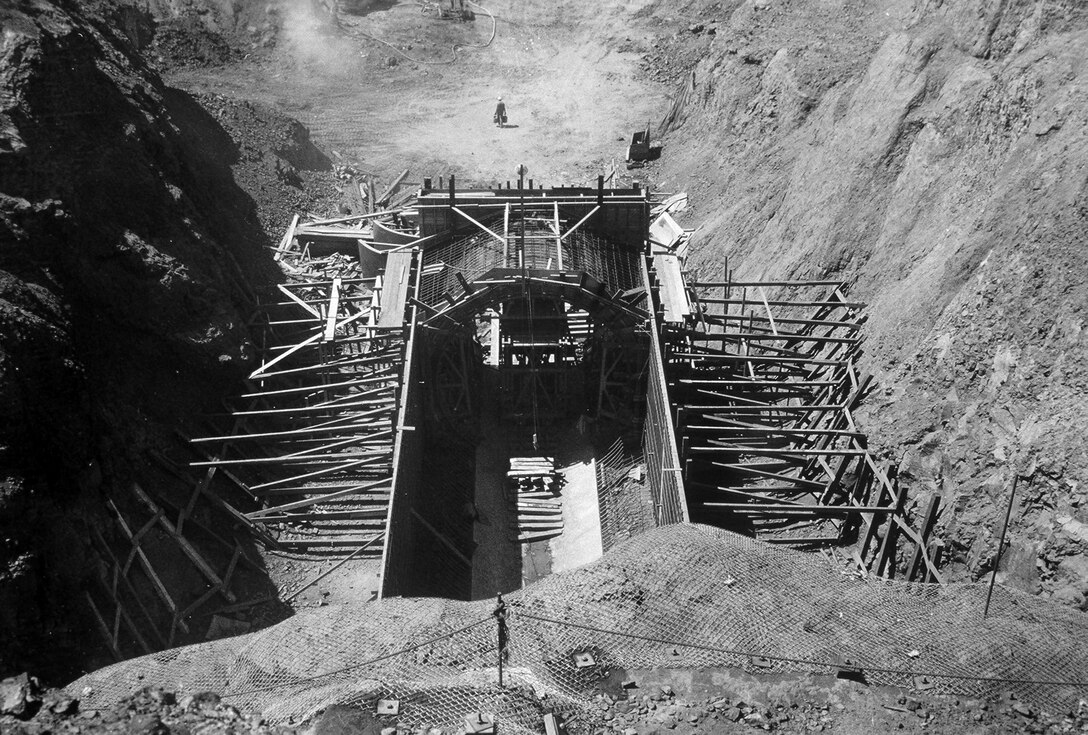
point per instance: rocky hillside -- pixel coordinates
(127, 250)
(933, 155)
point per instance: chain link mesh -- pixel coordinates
(683, 596)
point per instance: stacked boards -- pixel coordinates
(532, 487)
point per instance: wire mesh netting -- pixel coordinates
(681, 596)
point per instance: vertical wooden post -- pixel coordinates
(1001, 545)
(558, 239)
(500, 617)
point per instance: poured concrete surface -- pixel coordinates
(580, 542)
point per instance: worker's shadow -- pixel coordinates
(504, 127)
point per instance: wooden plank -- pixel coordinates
(558, 239)
(929, 517)
(296, 300)
(123, 580)
(527, 525)
(333, 233)
(493, 355)
(311, 475)
(160, 588)
(310, 340)
(795, 509)
(111, 642)
(528, 538)
(392, 187)
(187, 548)
(718, 319)
(336, 566)
(674, 296)
(580, 222)
(334, 307)
(757, 359)
(851, 305)
(285, 243)
(350, 218)
(442, 539)
(768, 284)
(478, 224)
(337, 495)
(398, 265)
(775, 452)
(738, 336)
(388, 374)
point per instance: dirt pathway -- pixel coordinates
(573, 99)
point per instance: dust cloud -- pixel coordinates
(310, 33)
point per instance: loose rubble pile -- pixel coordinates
(150, 711)
(25, 709)
(664, 710)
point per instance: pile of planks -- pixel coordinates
(336, 265)
(533, 489)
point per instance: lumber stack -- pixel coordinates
(533, 490)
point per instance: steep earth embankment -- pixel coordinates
(126, 246)
(933, 155)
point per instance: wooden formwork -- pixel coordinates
(312, 438)
(762, 386)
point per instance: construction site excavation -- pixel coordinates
(421, 367)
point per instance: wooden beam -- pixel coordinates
(392, 187)
(478, 224)
(353, 490)
(442, 539)
(351, 218)
(726, 318)
(334, 306)
(769, 284)
(802, 509)
(558, 239)
(808, 304)
(156, 582)
(336, 566)
(580, 222)
(310, 340)
(929, 518)
(104, 628)
(187, 548)
(285, 243)
(311, 475)
(295, 299)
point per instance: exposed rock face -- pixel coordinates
(933, 155)
(125, 247)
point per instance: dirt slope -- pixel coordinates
(933, 156)
(126, 247)
(387, 89)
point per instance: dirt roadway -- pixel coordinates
(573, 99)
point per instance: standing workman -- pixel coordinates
(500, 113)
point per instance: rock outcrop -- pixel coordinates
(931, 154)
